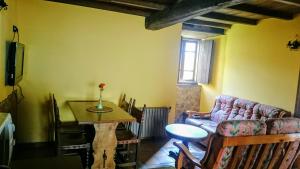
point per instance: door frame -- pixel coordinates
(297, 106)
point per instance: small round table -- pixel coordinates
(186, 133)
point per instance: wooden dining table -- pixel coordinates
(105, 125)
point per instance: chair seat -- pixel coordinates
(126, 137)
(121, 126)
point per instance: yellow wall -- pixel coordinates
(8, 18)
(258, 65)
(214, 88)
(70, 49)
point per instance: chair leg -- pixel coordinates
(137, 146)
(87, 157)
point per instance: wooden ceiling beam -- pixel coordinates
(106, 6)
(290, 2)
(262, 11)
(230, 18)
(185, 10)
(200, 28)
(138, 3)
(198, 22)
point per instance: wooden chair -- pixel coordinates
(126, 106)
(128, 137)
(68, 142)
(244, 144)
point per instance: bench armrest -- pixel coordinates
(184, 153)
(199, 115)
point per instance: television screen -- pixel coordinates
(15, 63)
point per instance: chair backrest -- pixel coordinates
(55, 119)
(254, 144)
(242, 109)
(125, 105)
(223, 106)
(51, 128)
(138, 114)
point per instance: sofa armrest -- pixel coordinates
(198, 115)
(184, 153)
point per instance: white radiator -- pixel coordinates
(155, 120)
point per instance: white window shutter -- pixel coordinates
(205, 61)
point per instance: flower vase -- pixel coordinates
(100, 104)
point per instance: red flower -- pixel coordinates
(102, 85)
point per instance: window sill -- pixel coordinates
(187, 84)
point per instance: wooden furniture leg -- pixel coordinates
(104, 145)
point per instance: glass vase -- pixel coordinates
(100, 102)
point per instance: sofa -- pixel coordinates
(272, 144)
(232, 108)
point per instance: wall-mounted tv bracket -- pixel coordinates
(15, 30)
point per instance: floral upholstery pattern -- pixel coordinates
(283, 125)
(264, 112)
(222, 108)
(231, 128)
(242, 109)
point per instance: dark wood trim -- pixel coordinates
(206, 29)
(138, 3)
(290, 2)
(230, 18)
(107, 6)
(262, 11)
(297, 107)
(185, 10)
(207, 23)
(260, 139)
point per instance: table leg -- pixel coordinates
(104, 145)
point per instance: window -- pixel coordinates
(195, 61)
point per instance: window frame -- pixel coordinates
(182, 59)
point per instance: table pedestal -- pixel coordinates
(104, 145)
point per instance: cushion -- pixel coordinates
(241, 128)
(200, 122)
(222, 108)
(242, 109)
(192, 121)
(264, 112)
(283, 125)
(209, 128)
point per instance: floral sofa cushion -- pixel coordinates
(283, 125)
(242, 109)
(222, 108)
(231, 128)
(264, 112)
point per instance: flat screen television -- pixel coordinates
(15, 63)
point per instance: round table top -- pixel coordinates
(185, 132)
